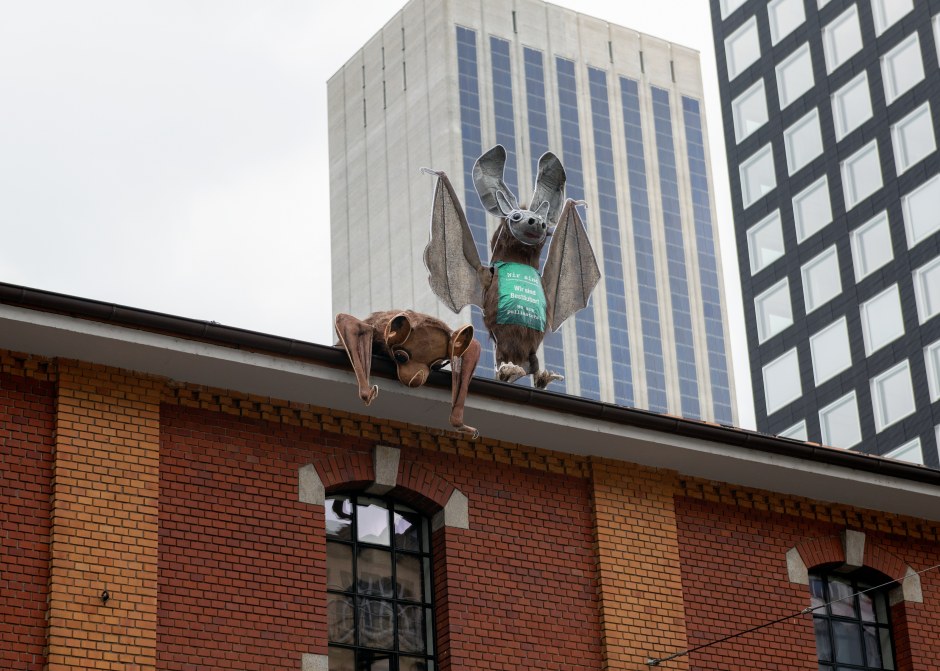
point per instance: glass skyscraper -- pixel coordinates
(830, 125)
(446, 80)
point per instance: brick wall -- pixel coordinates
(26, 439)
(733, 544)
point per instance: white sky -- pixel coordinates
(172, 154)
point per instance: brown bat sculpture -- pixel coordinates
(518, 304)
(418, 344)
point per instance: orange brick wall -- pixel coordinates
(27, 409)
(638, 564)
(104, 520)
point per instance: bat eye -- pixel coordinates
(401, 356)
(515, 217)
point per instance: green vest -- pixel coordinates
(521, 298)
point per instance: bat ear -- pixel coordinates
(460, 340)
(398, 330)
(542, 210)
(488, 180)
(550, 186)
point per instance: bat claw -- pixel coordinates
(468, 431)
(545, 377)
(369, 396)
(509, 372)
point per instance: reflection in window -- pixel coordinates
(851, 105)
(749, 111)
(861, 174)
(728, 6)
(902, 68)
(803, 141)
(839, 423)
(765, 242)
(871, 246)
(932, 359)
(909, 451)
(921, 215)
(757, 176)
(892, 395)
(830, 351)
(821, 281)
(882, 320)
(742, 48)
(773, 310)
(927, 290)
(812, 209)
(794, 76)
(913, 138)
(785, 16)
(887, 12)
(842, 38)
(851, 620)
(378, 575)
(782, 381)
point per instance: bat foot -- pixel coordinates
(545, 377)
(509, 372)
(369, 395)
(468, 431)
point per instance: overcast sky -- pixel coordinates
(172, 155)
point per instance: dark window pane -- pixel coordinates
(339, 513)
(410, 628)
(375, 572)
(872, 647)
(429, 630)
(887, 651)
(866, 606)
(372, 521)
(840, 594)
(374, 661)
(407, 530)
(823, 642)
(413, 664)
(342, 659)
(376, 624)
(847, 637)
(881, 607)
(408, 578)
(339, 567)
(341, 618)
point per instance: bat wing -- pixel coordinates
(571, 271)
(451, 256)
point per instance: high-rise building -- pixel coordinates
(830, 126)
(445, 80)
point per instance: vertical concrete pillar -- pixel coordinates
(104, 521)
(642, 612)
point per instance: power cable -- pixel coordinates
(656, 661)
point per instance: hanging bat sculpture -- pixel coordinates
(518, 304)
(418, 344)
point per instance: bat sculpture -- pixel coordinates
(518, 304)
(418, 344)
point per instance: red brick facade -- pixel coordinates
(565, 562)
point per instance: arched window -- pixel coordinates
(378, 578)
(853, 632)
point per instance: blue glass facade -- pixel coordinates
(643, 248)
(503, 109)
(571, 157)
(675, 256)
(471, 137)
(610, 239)
(553, 345)
(707, 262)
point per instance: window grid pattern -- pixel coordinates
(472, 145)
(707, 262)
(585, 329)
(853, 632)
(675, 255)
(553, 346)
(643, 248)
(610, 239)
(379, 577)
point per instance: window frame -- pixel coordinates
(840, 107)
(932, 363)
(868, 319)
(853, 196)
(741, 133)
(797, 138)
(833, 58)
(888, 69)
(794, 59)
(904, 449)
(809, 289)
(883, 18)
(788, 27)
(799, 220)
(882, 420)
(748, 29)
(904, 158)
(789, 358)
(771, 220)
(915, 234)
(825, 413)
(758, 157)
(922, 294)
(860, 252)
(784, 286)
(814, 339)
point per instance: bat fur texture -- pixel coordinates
(418, 344)
(519, 304)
